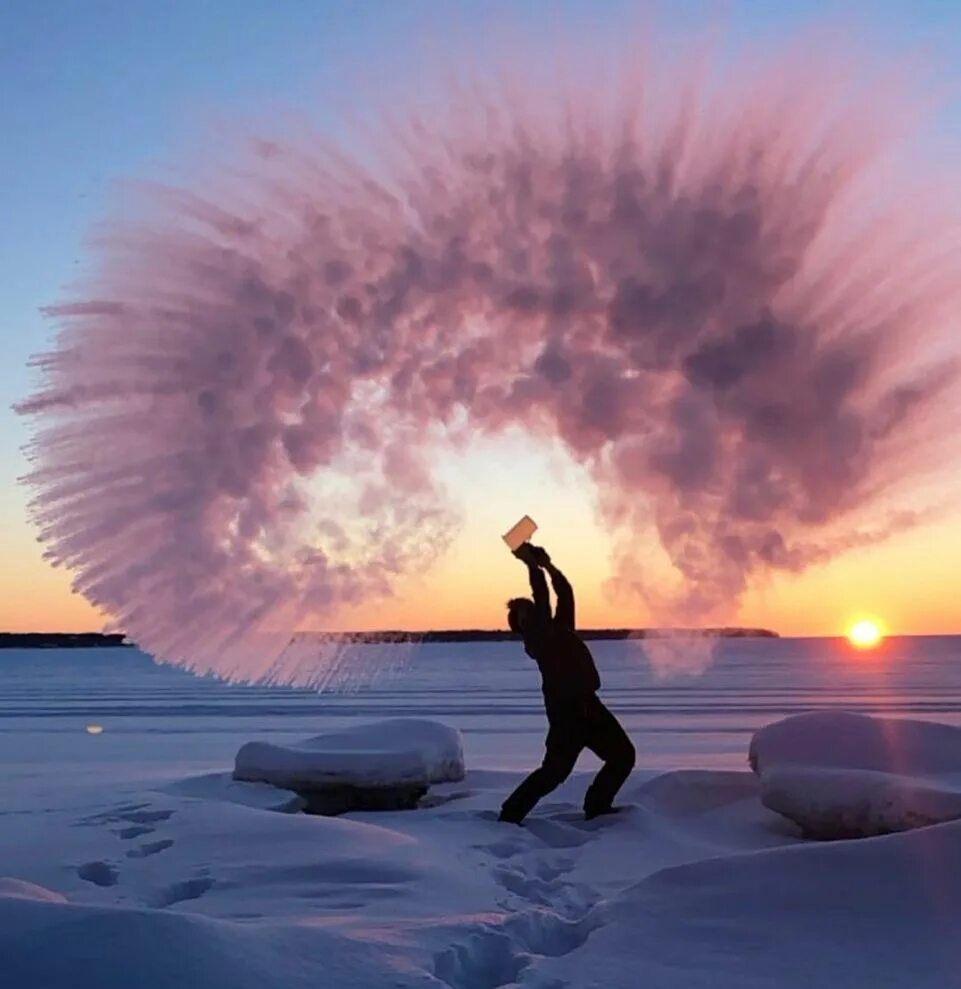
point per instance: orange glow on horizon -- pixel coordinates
(468, 587)
(910, 578)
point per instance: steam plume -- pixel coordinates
(716, 290)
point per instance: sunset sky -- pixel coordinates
(113, 89)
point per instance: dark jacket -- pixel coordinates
(567, 667)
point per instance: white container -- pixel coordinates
(520, 533)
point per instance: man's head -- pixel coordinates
(519, 613)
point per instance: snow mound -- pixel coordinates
(868, 913)
(840, 775)
(689, 792)
(222, 786)
(63, 946)
(398, 752)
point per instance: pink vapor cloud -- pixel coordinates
(705, 289)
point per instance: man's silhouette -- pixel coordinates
(577, 719)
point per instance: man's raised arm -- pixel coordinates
(564, 613)
(542, 599)
(565, 597)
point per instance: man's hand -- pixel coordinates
(533, 556)
(540, 556)
(525, 553)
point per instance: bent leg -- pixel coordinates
(562, 749)
(608, 741)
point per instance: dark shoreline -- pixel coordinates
(99, 640)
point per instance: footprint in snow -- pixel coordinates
(150, 848)
(136, 831)
(146, 816)
(492, 957)
(186, 889)
(99, 873)
(556, 834)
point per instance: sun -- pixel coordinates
(865, 634)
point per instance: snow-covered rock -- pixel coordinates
(380, 765)
(838, 803)
(842, 740)
(841, 775)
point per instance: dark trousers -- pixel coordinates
(583, 723)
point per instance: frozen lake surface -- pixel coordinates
(158, 719)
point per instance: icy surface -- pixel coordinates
(395, 752)
(841, 775)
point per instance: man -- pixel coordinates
(577, 719)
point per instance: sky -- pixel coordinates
(98, 91)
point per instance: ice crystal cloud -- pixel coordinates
(697, 287)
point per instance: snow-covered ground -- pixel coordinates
(133, 859)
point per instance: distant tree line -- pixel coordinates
(61, 640)
(99, 640)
